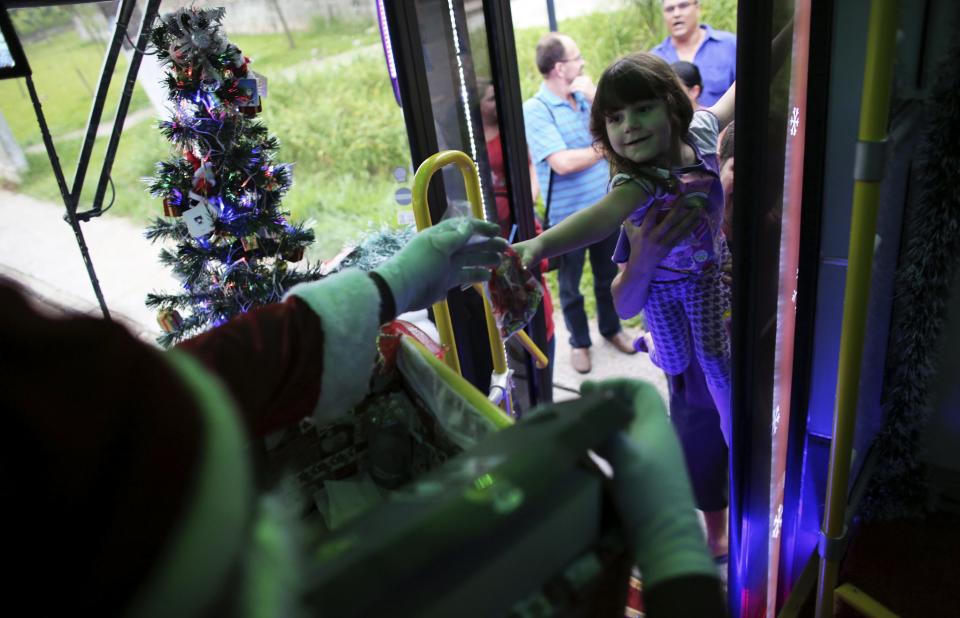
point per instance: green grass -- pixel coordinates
(140, 147)
(271, 53)
(66, 71)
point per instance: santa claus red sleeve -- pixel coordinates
(124, 463)
(312, 354)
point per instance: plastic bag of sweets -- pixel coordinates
(515, 294)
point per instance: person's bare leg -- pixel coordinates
(716, 521)
(716, 525)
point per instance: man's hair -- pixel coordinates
(688, 73)
(640, 76)
(550, 51)
(726, 144)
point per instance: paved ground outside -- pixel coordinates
(38, 249)
(608, 362)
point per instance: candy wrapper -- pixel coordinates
(515, 294)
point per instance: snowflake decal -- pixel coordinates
(794, 122)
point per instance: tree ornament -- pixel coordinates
(199, 217)
(170, 209)
(292, 254)
(169, 320)
(204, 178)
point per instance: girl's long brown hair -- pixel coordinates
(636, 77)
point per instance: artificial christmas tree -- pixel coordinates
(221, 193)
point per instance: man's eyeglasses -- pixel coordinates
(577, 59)
(681, 6)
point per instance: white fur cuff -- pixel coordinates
(348, 305)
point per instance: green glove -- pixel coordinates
(651, 488)
(452, 253)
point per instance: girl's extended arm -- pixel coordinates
(724, 108)
(649, 244)
(590, 225)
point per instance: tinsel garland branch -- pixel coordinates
(928, 264)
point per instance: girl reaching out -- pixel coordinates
(664, 156)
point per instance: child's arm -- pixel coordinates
(725, 107)
(649, 244)
(590, 225)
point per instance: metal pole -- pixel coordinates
(552, 16)
(71, 216)
(123, 105)
(106, 73)
(874, 115)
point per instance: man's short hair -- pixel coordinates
(550, 51)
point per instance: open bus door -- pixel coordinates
(439, 48)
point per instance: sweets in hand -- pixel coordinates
(515, 294)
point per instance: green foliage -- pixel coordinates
(271, 53)
(35, 21)
(720, 14)
(66, 71)
(604, 37)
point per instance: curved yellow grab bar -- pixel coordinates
(538, 356)
(421, 212)
(466, 390)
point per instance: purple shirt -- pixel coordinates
(716, 59)
(701, 248)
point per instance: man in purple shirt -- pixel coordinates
(713, 51)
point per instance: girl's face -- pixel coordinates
(640, 132)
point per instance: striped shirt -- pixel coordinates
(553, 126)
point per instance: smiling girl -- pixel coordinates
(666, 175)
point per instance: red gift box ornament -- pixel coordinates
(169, 320)
(292, 254)
(248, 101)
(170, 209)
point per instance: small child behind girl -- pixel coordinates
(664, 156)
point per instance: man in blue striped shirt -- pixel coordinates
(573, 175)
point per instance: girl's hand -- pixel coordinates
(726, 270)
(651, 241)
(529, 251)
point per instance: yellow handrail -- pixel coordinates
(862, 602)
(421, 212)
(466, 390)
(874, 114)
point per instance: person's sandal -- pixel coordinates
(580, 359)
(621, 341)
